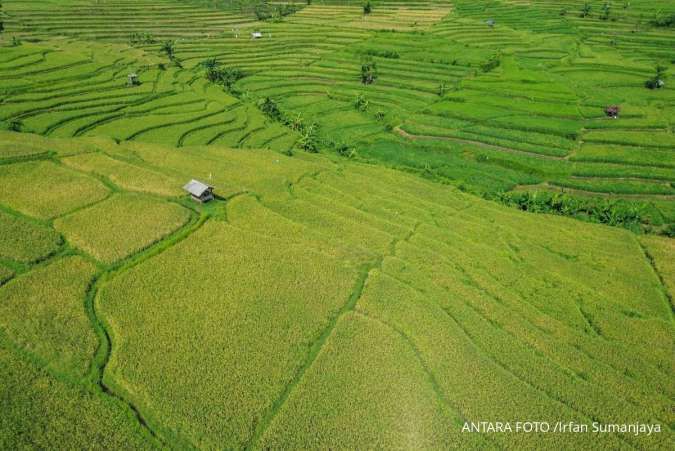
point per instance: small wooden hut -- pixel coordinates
(132, 80)
(612, 111)
(200, 192)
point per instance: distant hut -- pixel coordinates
(490, 23)
(132, 80)
(200, 192)
(612, 111)
(256, 35)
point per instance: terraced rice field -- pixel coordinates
(329, 287)
(533, 122)
(367, 290)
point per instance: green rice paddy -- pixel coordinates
(364, 278)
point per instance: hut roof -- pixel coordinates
(197, 188)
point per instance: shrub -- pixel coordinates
(367, 7)
(391, 54)
(669, 231)
(226, 77)
(657, 81)
(295, 123)
(270, 108)
(344, 150)
(361, 103)
(368, 72)
(169, 48)
(665, 21)
(141, 38)
(210, 63)
(266, 12)
(309, 141)
(490, 65)
(605, 211)
(15, 125)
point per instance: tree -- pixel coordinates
(2, 23)
(270, 108)
(606, 9)
(663, 19)
(210, 63)
(226, 77)
(367, 7)
(491, 64)
(586, 10)
(169, 47)
(368, 72)
(657, 81)
(15, 125)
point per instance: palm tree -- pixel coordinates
(586, 10)
(210, 63)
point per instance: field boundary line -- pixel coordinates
(314, 351)
(664, 288)
(438, 391)
(104, 351)
(412, 137)
(364, 272)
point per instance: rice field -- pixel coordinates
(121, 226)
(25, 241)
(497, 88)
(41, 410)
(354, 272)
(361, 279)
(44, 189)
(43, 314)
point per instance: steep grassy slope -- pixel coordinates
(322, 303)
